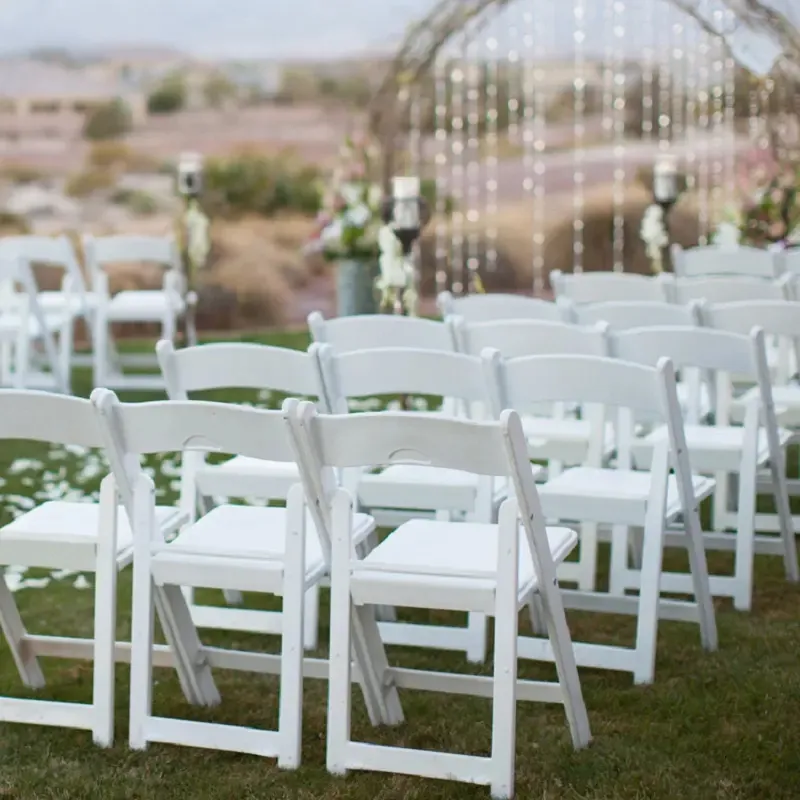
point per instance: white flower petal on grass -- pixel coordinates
(34, 583)
(81, 583)
(60, 574)
(20, 465)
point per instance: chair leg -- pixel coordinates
(504, 703)
(777, 467)
(14, 630)
(100, 350)
(290, 723)
(536, 615)
(105, 617)
(649, 600)
(619, 560)
(311, 619)
(588, 557)
(476, 637)
(745, 537)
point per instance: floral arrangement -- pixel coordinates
(768, 214)
(349, 222)
(654, 234)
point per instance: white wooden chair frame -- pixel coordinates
(601, 287)
(73, 299)
(721, 450)
(357, 586)
(489, 307)
(85, 537)
(406, 492)
(575, 495)
(164, 306)
(240, 365)
(779, 319)
(710, 260)
(696, 392)
(23, 322)
(161, 567)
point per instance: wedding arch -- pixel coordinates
(472, 80)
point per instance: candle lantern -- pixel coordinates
(666, 191)
(194, 227)
(405, 214)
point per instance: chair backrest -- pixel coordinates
(46, 417)
(493, 449)
(789, 265)
(131, 430)
(702, 262)
(56, 251)
(239, 365)
(726, 289)
(601, 287)
(368, 331)
(525, 337)
(397, 371)
(637, 314)
(779, 318)
(722, 353)
(490, 307)
(100, 251)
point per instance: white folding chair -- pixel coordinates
(239, 365)
(81, 536)
(488, 307)
(704, 262)
(721, 449)
(268, 550)
(483, 568)
(600, 287)
(163, 306)
(409, 491)
(725, 289)
(619, 496)
(788, 264)
(779, 319)
(72, 298)
(554, 435)
(695, 392)
(24, 325)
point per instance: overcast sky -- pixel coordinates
(270, 28)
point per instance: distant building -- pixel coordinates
(32, 89)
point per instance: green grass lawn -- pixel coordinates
(713, 726)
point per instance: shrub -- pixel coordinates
(108, 121)
(139, 202)
(169, 97)
(13, 224)
(218, 89)
(21, 173)
(251, 183)
(85, 183)
(111, 154)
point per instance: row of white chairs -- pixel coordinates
(423, 563)
(37, 327)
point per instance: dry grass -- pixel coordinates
(514, 270)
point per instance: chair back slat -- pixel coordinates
(726, 289)
(369, 331)
(524, 337)
(600, 287)
(396, 370)
(237, 365)
(746, 262)
(47, 417)
(490, 307)
(622, 315)
(103, 250)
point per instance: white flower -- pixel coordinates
(332, 232)
(375, 195)
(728, 235)
(794, 236)
(352, 193)
(359, 216)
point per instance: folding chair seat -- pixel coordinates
(489, 568)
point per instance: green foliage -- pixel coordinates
(169, 97)
(252, 183)
(429, 193)
(86, 183)
(218, 89)
(139, 202)
(775, 214)
(108, 121)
